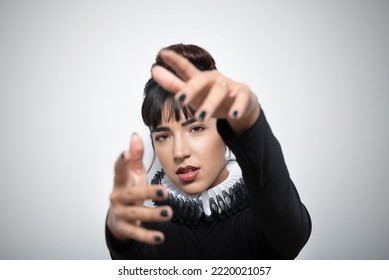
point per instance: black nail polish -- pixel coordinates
(234, 115)
(181, 98)
(201, 116)
(122, 155)
(164, 213)
(157, 238)
(159, 193)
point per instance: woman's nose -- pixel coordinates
(181, 149)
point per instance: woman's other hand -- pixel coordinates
(130, 190)
(209, 92)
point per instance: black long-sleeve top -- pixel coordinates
(275, 225)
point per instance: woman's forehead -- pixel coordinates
(170, 116)
(171, 113)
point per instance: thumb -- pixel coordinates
(136, 153)
(130, 162)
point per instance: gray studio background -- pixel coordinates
(71, 81)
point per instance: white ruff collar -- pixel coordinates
(222, 200)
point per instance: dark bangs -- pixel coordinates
(156, 100)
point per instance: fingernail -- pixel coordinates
(234, 115)
(181, 98)
(164, 213)
(159, 193)
(157, 238)
(122, 155)
(201, 116)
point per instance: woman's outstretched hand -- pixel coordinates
(130, 190)
(209, 92)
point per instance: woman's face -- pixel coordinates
(191, 153)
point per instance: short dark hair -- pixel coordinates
(156, 98)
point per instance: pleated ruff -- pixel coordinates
(221, 201)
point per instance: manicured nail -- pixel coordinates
(159, 193)
(122, 155)
(181, 98)
(201, 116)
(234, 115)
(157, 238)
(164, 213)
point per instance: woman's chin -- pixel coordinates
(191, 188)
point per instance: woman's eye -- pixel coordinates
(161, 138)
(196, 129)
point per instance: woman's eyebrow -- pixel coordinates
(160, 129)
(188, 121)
(166, 128)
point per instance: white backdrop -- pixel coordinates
(71, 81)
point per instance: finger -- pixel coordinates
(181, 65)
(242, 101)
(216, 96)
(166, 79)
(194, 90)
(140, 234)
(138, 194)
(121, 172)
(143, 214)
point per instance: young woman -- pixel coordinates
(208, 206)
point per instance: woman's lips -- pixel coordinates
(188, 174)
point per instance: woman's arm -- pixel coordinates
(272, 194)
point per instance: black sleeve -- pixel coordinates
(273, 197)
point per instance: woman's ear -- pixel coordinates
(228, 154)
